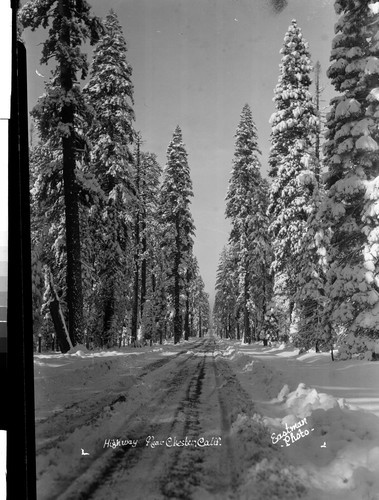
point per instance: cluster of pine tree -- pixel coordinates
(302, 261)
(243, 278)
(112, 234)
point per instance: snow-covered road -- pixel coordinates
(205, 419)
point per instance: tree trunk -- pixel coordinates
(143, 268)
(186, 318)
(144, 260)
(264, 299)
(186, 322)
(246, 324)
(177, 316)
(57, 316)
(135, 310)
(317, 70)
(161, 334)
(71, 197)
(136, 285)
(108, 282)
(74, 267)
(108, 318)
(58, 326)
(191, 324)
(291, 309)
(246, 319)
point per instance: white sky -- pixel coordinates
(196, 63)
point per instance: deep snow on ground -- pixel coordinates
(313, 432)
(339, 458)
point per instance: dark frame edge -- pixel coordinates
(21, 474)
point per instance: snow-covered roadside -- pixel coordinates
(303, 441)
(332, 446)
(357, 382)
(82, 399)
(62, 380)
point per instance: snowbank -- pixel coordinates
(331, 448)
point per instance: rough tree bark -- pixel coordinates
(177, 316)
(137, 240)
(71, 196)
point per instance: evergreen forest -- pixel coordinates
(113, 261)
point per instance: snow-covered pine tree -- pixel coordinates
(177, 223)
(196, 310)
(351, 152)
(313, 328)
(225, 309)
(190, 276)
(312, 331)
(317, 99)
(200, 310)
(294, 126)
(246, 206)
(47, 237)
(150, 247)
(109, 92)
(70, 27)
(47, 209)
(146, 181)
(204, 318)
(159, 284)
(136, 316)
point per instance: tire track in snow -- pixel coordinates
(221, 478)
(177, 466)
(75, 418)
(185, 464)
(110, 463)
(197, 394)
(190, 473)
(155, 365)
(228, 465)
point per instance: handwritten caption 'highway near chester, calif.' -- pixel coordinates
(169, 442)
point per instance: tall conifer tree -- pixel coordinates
(225, 310)
(246, 208)
(350, 211)
(109, 91)
(199, 300)
(178, 225)
(294, 126)
(150, 252)
(70, 28)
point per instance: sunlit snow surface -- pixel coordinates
(341, 403)
(337, 459)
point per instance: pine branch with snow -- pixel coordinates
(350, 209)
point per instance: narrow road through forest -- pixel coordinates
(180, 431)
(196, 420)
